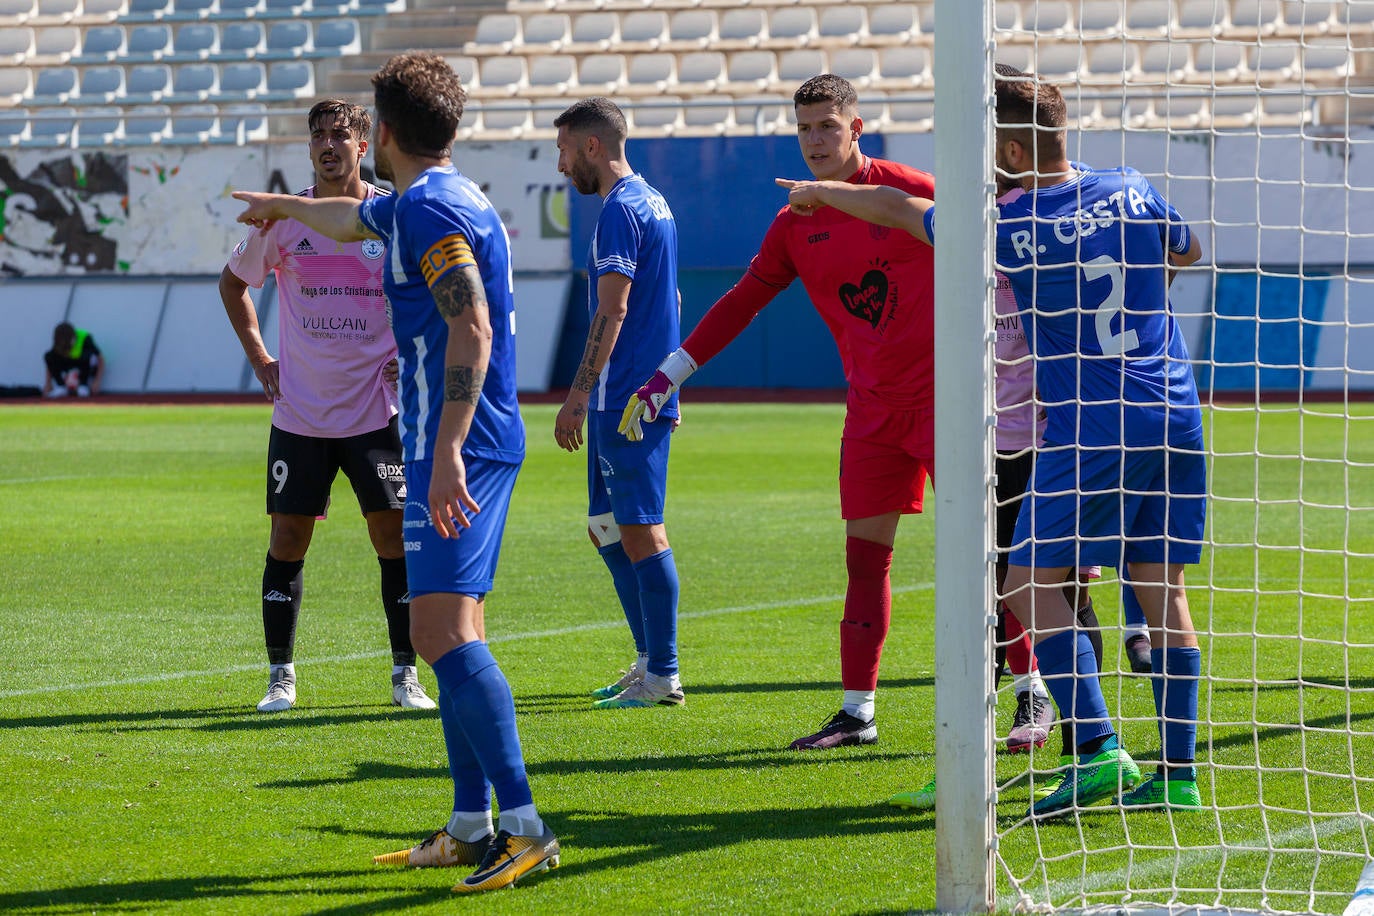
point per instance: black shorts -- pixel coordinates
(1013, 479)
(301, 471)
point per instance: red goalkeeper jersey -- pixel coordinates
(873, 286)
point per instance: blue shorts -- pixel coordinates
(1113, 506)
(465, 565)
(627, 479)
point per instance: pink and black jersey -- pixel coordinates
(334, 335)
(1020, 424)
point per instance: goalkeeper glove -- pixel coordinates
(644, 405)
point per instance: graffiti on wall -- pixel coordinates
(57, 213)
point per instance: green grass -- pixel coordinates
(138, 777)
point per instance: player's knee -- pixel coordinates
(384, 529)
(603, 530)
(290, 538)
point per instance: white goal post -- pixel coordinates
(1255, 119)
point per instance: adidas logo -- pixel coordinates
(275, 595)
(305, 246)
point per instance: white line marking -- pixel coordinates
(358, 656)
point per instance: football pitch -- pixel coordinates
(140, 778)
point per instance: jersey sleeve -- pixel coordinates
(377, 214)
(255, 257)
(929, 220)
(442, 239)
(617, 242)
(773, 264)
(1177, 237)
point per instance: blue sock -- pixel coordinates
(627, 589)
(1175, 683)
(471, 791)
(658, 591)
(483, 707)
(1069, 669)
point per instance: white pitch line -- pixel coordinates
(358, 656)
(1144, 871)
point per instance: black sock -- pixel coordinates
(999, 663)
(281, 606)
(1087, 619)
(1094, 745)
(1066, 734)
(396, 603)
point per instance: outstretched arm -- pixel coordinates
(878, 204)
(336, 217)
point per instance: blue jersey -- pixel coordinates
(1088, 262)
(441, 222)
(637, 237)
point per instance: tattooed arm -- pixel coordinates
(461, 300)
(612, 305)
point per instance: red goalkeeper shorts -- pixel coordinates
(885, 457)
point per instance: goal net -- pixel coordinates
(1255, 119)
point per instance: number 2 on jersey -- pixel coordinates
(1111, 343)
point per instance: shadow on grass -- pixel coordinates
(228, 718)
(141, 896)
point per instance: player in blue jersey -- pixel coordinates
(632, 299)
(448, 284)
(1121, 478)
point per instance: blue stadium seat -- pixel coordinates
(290, 80)
(194, 83)
(101, 43)
(145, 125)
(245, 123)
(337, 37)
(240, 40)
(195, 41)
(193, 125)
(50, 128)
(148, 43)
(239, 9)
(242, 81)
(102, 84)
(54, 86)
(147, 10)
(102, 126)
(14, 126)
(288, 39)
(145, 84)
(193, 9)
(377, 7)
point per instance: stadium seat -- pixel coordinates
(1356, 12)
(101, 44)
(194, 83)
(552, 74)
(14, 126)
(905, 67)
(1309, 17)
(912, 115)
(1100, 18)
(842, 24)
(56, 12)
(593, 31)
(1275, 61)
(1203, 16)
(55, 44)
(337, 37)
(502, 76)
(235, 9)
(1149, 18)
(193, 125)
(497, 33)
(195, 41)
(94, 10)
(1019, 56)
(1261, 16)
(289, 80)
(148, 43)
(240, 40)
(15, 84)
(1163, 61)
(796, 67)
(145, 125)
(691, 30)
(103, 126)
(1218, 63)
(242, 81)
(376, 7)
(661, 116)
(288, 39)
(546, 31)
(642, 30)
(858, 65)
(1325, 60)
(1006, 17)
(650, 74)
(750, 71)
(708, 115)
(509, 117)
(701, 72)
(244, 123)
(1049, 17)
(603, 74)
(765, 114)
(16, 45)
(741, 28)
(145, 84)
(102, 84)
(893, 24)
(1062, 61)
(791, 27)
(17, 12)
(148, 10)
(466, 68)
(1109, 63)
(193, 9)
(50, 128)
(280, 9)
(54, 86)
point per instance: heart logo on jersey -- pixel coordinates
(866, 300)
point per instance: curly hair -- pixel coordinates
(356, 117)
(826, 88)
(419, 97)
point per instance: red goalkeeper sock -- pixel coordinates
(867, 613)
(1020, 653)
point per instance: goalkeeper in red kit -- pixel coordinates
(875, 289)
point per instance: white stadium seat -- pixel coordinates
(503, 75)
(16, 45)
(56, 44)
(15, 84)
(790, 26)
(701, 71)
(552, 74)
(649, 74)
(602, 73)
(692, 29)
(497, 33)
(742, 27)
(893, 23)
(546, 31)
(858, 65)
(796, 67)
(842, 24)
(751, 71)
(642, 30)
(594, 31)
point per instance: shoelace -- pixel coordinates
(495, 851)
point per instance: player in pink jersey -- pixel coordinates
(875, 291)
(333, 396)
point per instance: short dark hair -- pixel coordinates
(63, 336)
(1031, 112)
(826, 88)
(599, 117)
(356, 117)
(419, 96)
